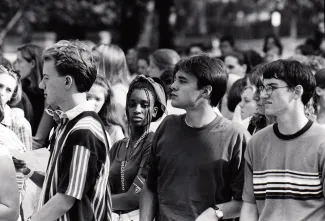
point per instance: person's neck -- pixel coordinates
(136, 133)
(72, 101)
(321, 115)
(200, 116)
(292, 122)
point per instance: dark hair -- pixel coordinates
(31, 52)
(241, 58)
(73, 58)
(293, 73)
(228, 38)
(255, 75)
(253, 57)
(208, 71)
(320, 78)
(277, 43)
(234, 95)
(305, 49)
(110, 113)
(167, 77)
(144, 53)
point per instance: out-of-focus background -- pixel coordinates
(159, 23)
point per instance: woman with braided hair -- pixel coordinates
(146, 102)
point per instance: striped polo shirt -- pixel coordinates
(79, 166)
(284, 174)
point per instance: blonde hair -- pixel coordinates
(112, 64)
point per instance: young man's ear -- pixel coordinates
(319, 91)
(298, 91)
(68, 81)
(207, 91)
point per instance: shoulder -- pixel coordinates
(232, 128)
(169, 121)
(88, 125)
(262, 135)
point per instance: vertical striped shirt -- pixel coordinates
(79, 166)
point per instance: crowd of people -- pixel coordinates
(161, 135)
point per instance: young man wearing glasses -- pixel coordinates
(285, 162)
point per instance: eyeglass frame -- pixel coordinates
(264, 88)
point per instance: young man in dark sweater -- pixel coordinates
(196, 163)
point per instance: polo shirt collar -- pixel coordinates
(74, 112)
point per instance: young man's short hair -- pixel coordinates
(293, 73)
(73, 58)
(208, 71)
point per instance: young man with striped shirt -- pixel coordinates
(285, 162)
(75, 186)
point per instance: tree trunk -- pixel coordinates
(145, 38)
(166, 34)
(294, 26)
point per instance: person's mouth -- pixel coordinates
(173, 95)
(137, 119)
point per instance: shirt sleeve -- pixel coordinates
(24, 133)
(82, 161)
(238, 165)
(248, 193)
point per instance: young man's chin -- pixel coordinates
(176, 104)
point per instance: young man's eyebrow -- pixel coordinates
(271, 84)
(182, 78)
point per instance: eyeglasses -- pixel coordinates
(51, 112)
(269, 89)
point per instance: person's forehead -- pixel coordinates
(141, 95)
(274, 81)
(188, 76)
(231, 60)
(49, 68)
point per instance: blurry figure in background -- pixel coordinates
(29, 65)
(233, 98)
(227, 46)
(195, 49)
(304, 50)
(11, 94)
(143, 61)
(111, 63)
(167, 77)
(146, 102)
(9, 194)
(272, 48)
(131, 60)
(5, 62)
(320, 96)
(253, 58)
(111, 116)
(237, 64)
(246, 109)
(162, 60)
(314, 63)
(258, 120)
